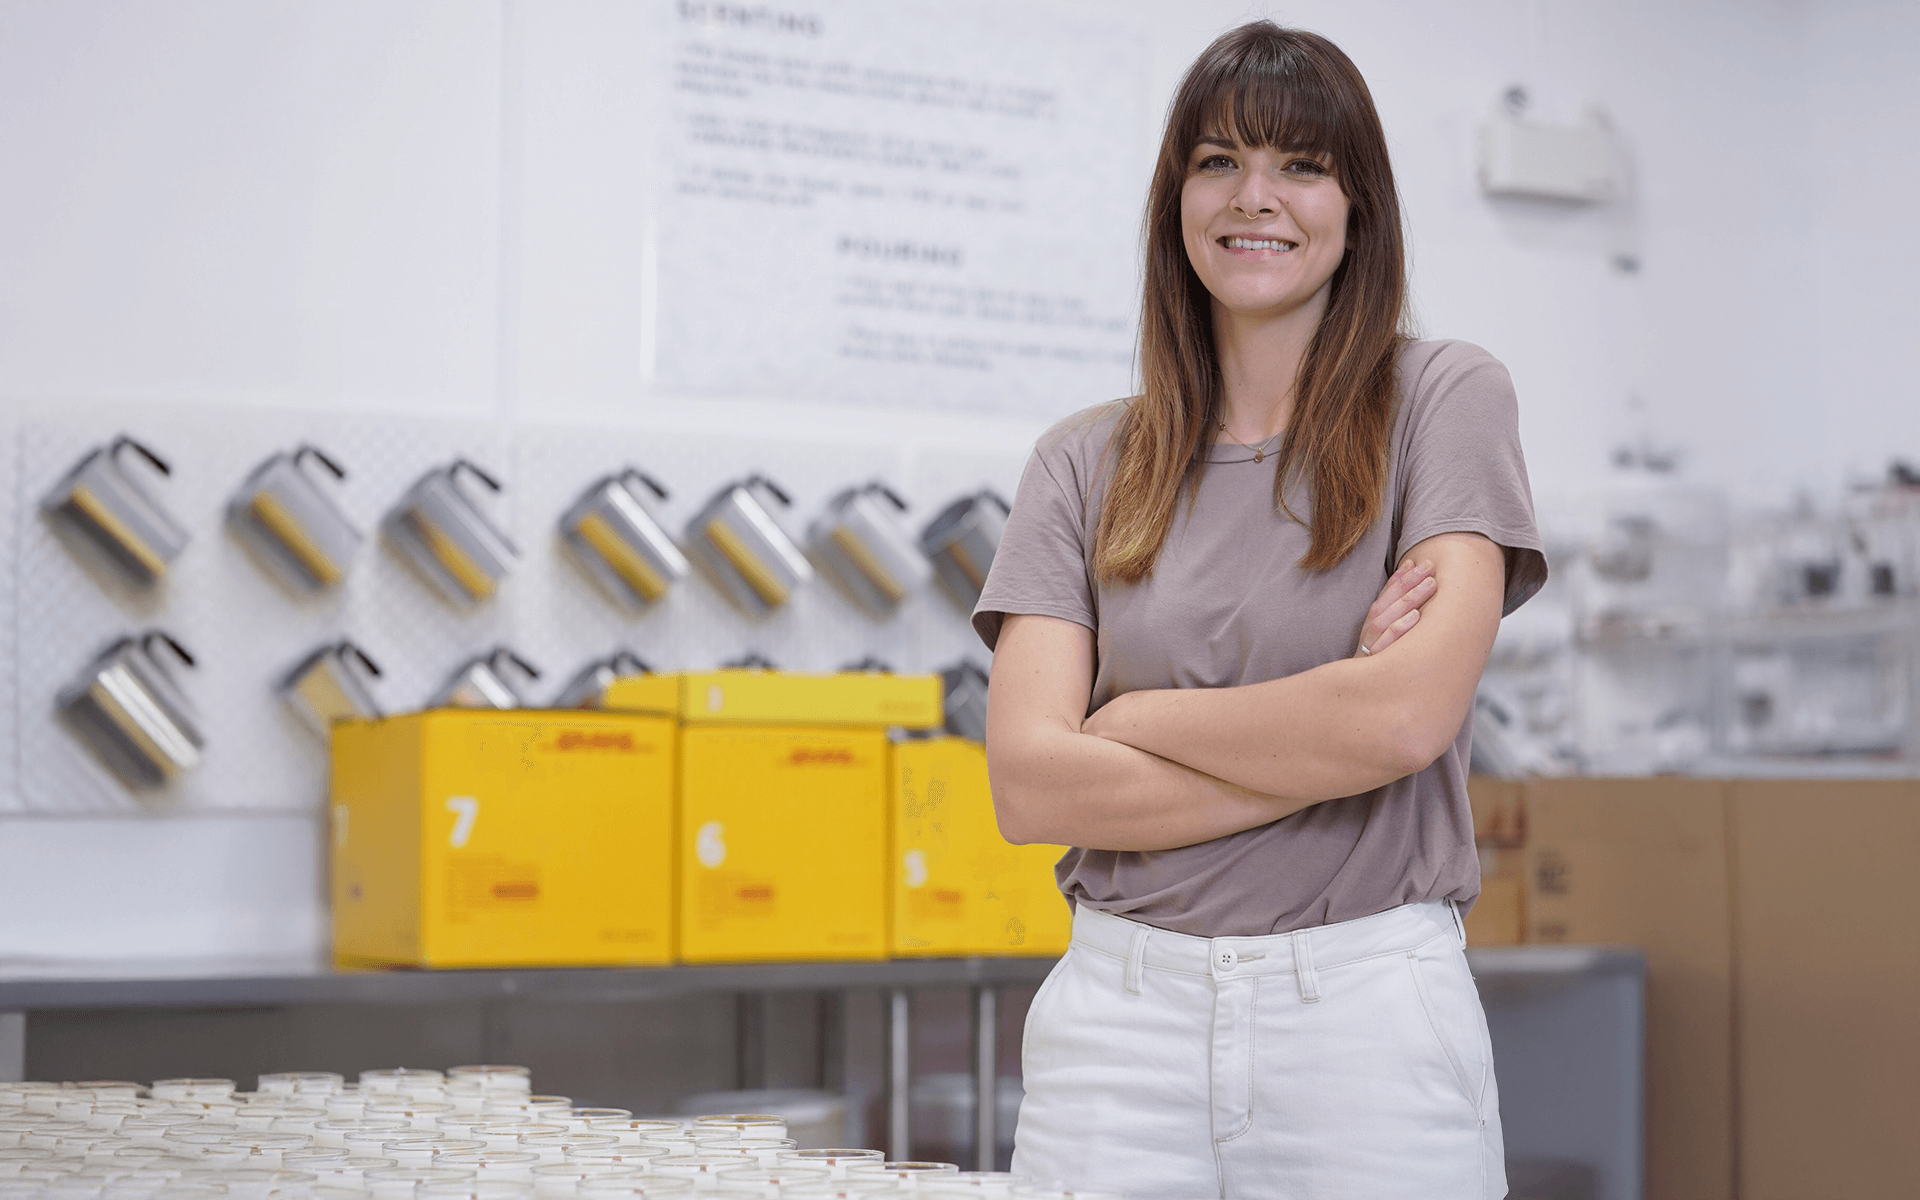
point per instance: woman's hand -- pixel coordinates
(1398, 607)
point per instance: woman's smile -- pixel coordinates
(1249, 245)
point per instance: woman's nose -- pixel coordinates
(1254, 205)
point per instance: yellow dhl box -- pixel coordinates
(783, 843)
(958, 887)
(647, 693)
(859, 698)
(465, 838)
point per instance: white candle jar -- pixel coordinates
(505, 1166)
(399, 1183)
(333, 1132)
(703, 1169)
(633, 1131)
(771, 1181)
(560, 1180)
(192, 1089)
(392, 1080)
(836, 1161)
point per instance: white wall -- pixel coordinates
(436, 207)
(1854, 185)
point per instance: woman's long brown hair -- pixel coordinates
(1290, 90)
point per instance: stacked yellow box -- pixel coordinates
(958, 887)
(724, 816)
(782, 837)
(466, 838)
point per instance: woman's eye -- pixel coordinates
(1216, 162)
(1306, 166)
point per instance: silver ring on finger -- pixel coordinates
(1363, 650)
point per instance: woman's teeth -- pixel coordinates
(1240, 243)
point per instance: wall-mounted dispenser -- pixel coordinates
(104, 508)
(963, 689)
(867, 550)
(499, 679)
(588, 689)
(744, 547)
(334, 683)
(441, 531)
(293, 527)
(128, 709)
(962, 540)
(616, 536)
(1540, 160)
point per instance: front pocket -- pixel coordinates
(1472, 1091)
(1047, 987)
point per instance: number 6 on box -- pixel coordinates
(466, 810)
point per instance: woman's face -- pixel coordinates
(1265, 229)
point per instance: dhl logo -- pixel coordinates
(836, 756)
(595, 739)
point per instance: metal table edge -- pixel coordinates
(613, 984)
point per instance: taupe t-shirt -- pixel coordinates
(1227, 605)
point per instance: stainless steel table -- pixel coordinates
(247, 983)
(1567, 1021)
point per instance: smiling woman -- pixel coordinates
(1263, 776)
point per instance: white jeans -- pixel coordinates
(1347, 1062)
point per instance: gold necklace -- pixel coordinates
(1259, 451)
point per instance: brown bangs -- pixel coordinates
(1270, 100)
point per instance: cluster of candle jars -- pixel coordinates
(468, 1133)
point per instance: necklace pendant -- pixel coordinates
(1260, 455)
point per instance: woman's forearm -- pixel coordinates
(1347, 726)
(1062, 786)
(1316, 737)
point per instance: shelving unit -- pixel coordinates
(1508, 976)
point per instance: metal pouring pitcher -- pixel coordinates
(439, 529)
(334, 683)
(292, 526)
(497, 680)
(588, 689)
(963, 688)
(104, 508)
(614, 533)
(866, 549)
(962, 540)
(128, 709)
(749, 554)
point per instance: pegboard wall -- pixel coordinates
(246, 630)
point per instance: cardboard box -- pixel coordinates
(1499, 812)
(782, 843)
(958, 887)
(1828, 992)
(1499, 916)
(465, 838)
(1645, 862)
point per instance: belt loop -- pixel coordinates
(1459, 924)
(1303, 966)
(1136, 958)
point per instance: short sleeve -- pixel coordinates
(1463, 470)
(1041, 565)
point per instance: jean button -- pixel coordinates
(1226, 958)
